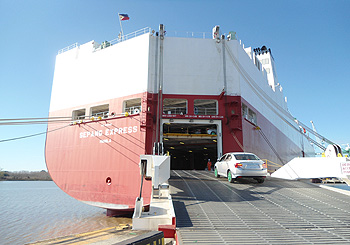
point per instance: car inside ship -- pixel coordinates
(190, 145)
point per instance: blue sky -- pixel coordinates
(308, 39)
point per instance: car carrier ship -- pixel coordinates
(150, 93)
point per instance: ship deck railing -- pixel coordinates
(103, 114)
(72, 46)
(106, 44)
(121, 38)
(133, 110)
(174, 110)
(191, 34)
(131, 35)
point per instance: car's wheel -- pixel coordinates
(216, 173)
(260, 180)
(229, 177)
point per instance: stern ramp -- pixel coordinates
(211, 210)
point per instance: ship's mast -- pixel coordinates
(157, 144)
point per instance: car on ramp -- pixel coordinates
(236, 165)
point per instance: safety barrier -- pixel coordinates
(271, 163)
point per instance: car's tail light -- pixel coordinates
(264, 165)
(238, 165)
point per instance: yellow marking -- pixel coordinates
(92, 232)
(268, 162)
(88, 237)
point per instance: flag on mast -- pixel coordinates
(124, 17)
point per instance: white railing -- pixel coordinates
(131, 35)
(205, 111)
(133, 110)
(106, 44)
(103, 114)
(110, 43)
(174, 110)
(190, 34)
(75, 45)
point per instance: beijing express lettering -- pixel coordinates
(108, 132)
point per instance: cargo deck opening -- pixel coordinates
(190, 145)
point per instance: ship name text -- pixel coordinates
(108, 132)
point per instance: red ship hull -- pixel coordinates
(97, 161)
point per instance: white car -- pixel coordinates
(240, 164)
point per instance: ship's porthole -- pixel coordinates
(108, 181)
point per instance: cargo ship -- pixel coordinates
(194, 98)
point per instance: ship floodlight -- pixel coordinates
(182, 143)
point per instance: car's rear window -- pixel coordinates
(246, 157)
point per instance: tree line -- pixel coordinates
(24, 175)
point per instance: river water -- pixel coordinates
(37, 210)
